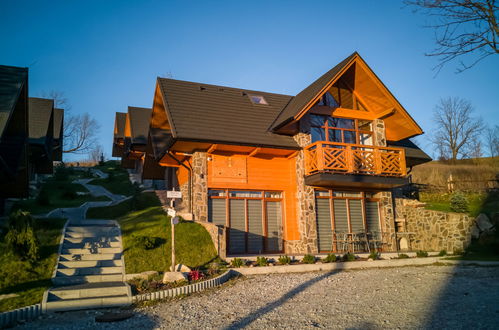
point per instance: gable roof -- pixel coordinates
(40, 113)
(58, 122)
(307, 95)
(220, 114)
(12, 80)
(139, 124)
(119, 125)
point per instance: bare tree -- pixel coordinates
(492, 140)
(462, 27)
(457, 129)
(97, 154)
(80, 134)
(60, 99)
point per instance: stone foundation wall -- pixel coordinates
(218, 236)
(305, 205)
(387, 218)
(434, 230)
(200, 186)
(379, 133)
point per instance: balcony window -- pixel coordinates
(342, 130)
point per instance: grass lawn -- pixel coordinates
(27, 280)
(193, 244)
(118, 181)
(144, 201)
(477, 202)
(59, 194)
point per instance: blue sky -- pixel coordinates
(106, 55)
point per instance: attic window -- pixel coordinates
(258, 99)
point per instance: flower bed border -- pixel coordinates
(14, 316)
(187, 289)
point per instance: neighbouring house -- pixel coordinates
(58, 138)
(119, 135)
(41, 136)
(14, 172)
(274, 173)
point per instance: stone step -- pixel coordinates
(86, 257)
(96, 250)
(71, 280)
(88, 290)
(98, 222)
(82, 271)
(93, 229)
(88, 303)
(86, 245)
(80, 240)
(109, 235)
(90, 263)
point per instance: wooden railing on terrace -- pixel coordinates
(354, 159)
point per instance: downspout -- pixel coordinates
(168, 153)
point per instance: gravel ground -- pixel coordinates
(410, 297)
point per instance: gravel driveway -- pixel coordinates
(409, 297)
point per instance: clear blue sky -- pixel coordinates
(106, 55)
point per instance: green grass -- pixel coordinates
(27, 280)
(144, 200)
(477, 202)
(59, 194)
(193, 244)
(118, 181)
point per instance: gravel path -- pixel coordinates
(410, 297)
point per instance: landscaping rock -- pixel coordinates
(182, 268)
(169, 277)
(143, 275)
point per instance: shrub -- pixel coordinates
(43, 197)
(61, 173)
(458, 203)
(262, 261)
(330, 258)
(375, 255)
(284, 260)
(195, 275)
(145, 242)
(403, 256)
(21, 237)
(69, 194)
(421, 254)
(442, 253)
(308, 259)
(237, 262)
(348, 257)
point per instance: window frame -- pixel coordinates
(326, 127)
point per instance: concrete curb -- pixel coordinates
(27, 313)
(303, 268)
(188, 289)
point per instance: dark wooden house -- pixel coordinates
(41, 135)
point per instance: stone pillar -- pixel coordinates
(387, 218)
(379, 132)
(200, 186)
(305, 205)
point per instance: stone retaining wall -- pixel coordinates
(434, 230)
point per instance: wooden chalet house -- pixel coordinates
(58, 137)
(288, 174)
(41, 136)
(14, 171)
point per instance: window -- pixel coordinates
(328, 100)
(258, 99)
(342, 130)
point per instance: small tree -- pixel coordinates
(21, 237)
(492, 140)
(456, 127)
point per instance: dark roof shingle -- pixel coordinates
(40, 113)
(139, 124)
(12, 79)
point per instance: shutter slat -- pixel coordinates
(372, 216)
(274, 224)
(255, 228)
(356, 215)
(323, 219)
(217, 211)
(237, 233)
(340, 215)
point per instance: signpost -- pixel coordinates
(174, 220)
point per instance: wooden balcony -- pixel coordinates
(342, 158)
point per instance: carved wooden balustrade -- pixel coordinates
(354, 159)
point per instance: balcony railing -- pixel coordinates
(354, 159)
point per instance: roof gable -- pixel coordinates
(58, 122)
(119, 125)
(40, 116)
(12, 81)
(139, 124)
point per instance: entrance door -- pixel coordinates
(253, 219)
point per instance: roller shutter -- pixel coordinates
(217, 211)
(237, 232)
(356, 215)
(255, 230)
(323, 219)
(340, 215)
(274, 223)
(372, 216)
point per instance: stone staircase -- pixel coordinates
(90, 269)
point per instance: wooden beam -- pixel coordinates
(385, 113)
(350, 113)
(212, 148)
(292, 155)
(254, 152)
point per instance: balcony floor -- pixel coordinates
(354, 181)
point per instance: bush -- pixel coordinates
(442, 253)
(262, 261)
(329, 258)
(195, 275)
(458, 203)
(146, 242)
(43, 197)
(348, 257)
(69, 194)
(421, 254)
(308, 259)
(403, 256)
(375, 255)
(284, 260)
(61, 173)
(237, 262)
(21, 237)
